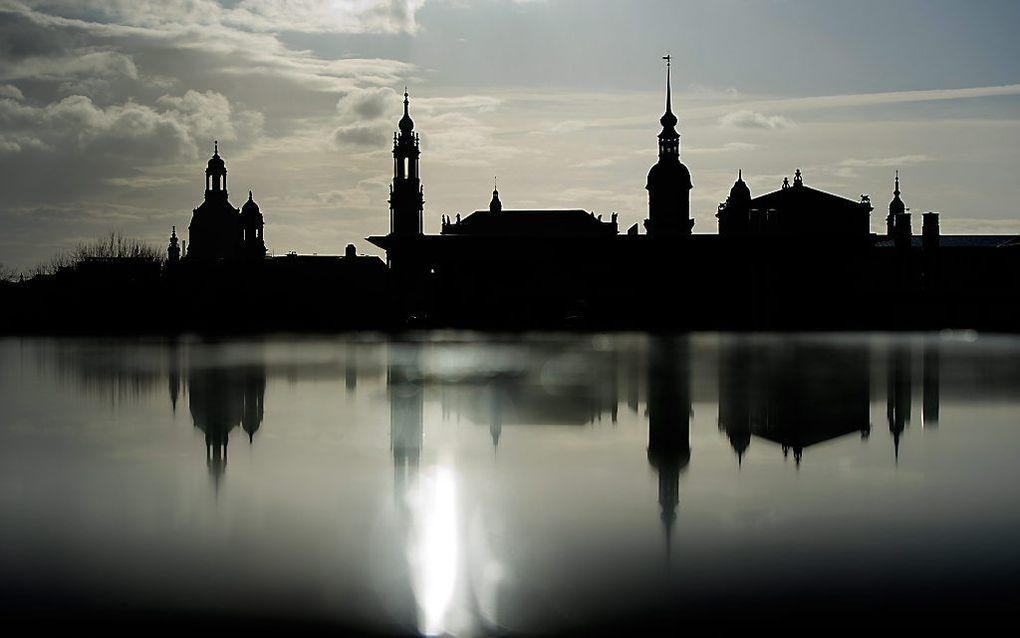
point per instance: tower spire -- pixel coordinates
(896, 191)
(668, 120)
(669, 89)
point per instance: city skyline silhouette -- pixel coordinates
(570, 139)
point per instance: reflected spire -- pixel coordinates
(669, 424)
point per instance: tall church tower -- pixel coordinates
(896, 208)
(669, 181)
(214, 232)
(407, 199)
(173, 251)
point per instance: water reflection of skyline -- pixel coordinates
(794, 393)
(434, 406)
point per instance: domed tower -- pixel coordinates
(253, 245)
(214, 232)
(734, 214)
(173, 251)
(495, 205)
(669, 181)
(896, 207)
(407, 199)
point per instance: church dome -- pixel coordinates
(250, 208)
(896, 206)
(667, 175)
(216, 164)
(406, 123)
(740, 191)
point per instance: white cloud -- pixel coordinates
(311, 16)
(885, 162)
(746, 118)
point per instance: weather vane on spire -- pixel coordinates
(668, 58)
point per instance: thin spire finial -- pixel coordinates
(216, 147)
(897, 190)
(669, 61)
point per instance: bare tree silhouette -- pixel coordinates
(113, 246)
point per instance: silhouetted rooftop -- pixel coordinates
(531, 223)
(803, 197)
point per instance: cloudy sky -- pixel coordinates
(108, 108)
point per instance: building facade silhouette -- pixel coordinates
(218, 230)
(794, 258)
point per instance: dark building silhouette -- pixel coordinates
(407, 197)
(794, 211)
(253, 245)
(218, 230)
(793, 259)
(669, 181)
(797, 257)
(173, 250)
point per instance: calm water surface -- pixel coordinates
(454, 483)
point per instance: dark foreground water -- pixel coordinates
(456, 483)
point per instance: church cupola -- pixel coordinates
(896, 207)
(407, 199)
(734, 214)
(495, 205)
(216, 173)
(669, 181)
(253, 243)
(740, 193)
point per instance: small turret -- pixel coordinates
(735, 213)
(253, 243)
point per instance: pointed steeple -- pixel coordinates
(173, 251)
(406, 123)
(896, 206)
(668, 120)
(495, 205)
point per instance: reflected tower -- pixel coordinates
(899, 393)
(406, 397)
(220, 399)
(930, 386)
(736, 396)
(669, 421)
